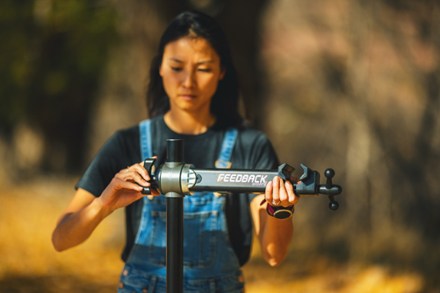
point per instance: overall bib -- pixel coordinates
(210, 264)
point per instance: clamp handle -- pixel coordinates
(150, 167)
(309, 184)
(329, 174)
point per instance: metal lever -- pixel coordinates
(150, 167)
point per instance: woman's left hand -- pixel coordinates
(280, 193)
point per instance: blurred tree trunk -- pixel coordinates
(355, 85)
(121, 100)
(51, 58)
(403, 190)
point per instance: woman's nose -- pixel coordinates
(189, 80)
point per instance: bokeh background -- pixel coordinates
(348, 84)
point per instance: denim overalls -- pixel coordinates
(210, 264)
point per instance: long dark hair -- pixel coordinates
(224, 104)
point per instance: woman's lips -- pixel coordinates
(187, 96)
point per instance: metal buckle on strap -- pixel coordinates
(222, 164)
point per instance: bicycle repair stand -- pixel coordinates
(175, 179)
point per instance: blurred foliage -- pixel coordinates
(52, 56)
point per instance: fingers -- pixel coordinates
(292, 198)
(127, 185)
(135, 173)
(120, 193)
(280, 193)
(269, 191)
(276, 191)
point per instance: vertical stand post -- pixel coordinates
(174, 201)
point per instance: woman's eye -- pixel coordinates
(176, 69)
(204, 69)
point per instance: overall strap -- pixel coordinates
(224, 160)
(146, 152)
(145, 139)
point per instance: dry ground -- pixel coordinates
(28, 263)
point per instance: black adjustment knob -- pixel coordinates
(329, 174)
(333, 205)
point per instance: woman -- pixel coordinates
(193, 95)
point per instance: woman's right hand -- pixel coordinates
(125, 187)
(86, 211)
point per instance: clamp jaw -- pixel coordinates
(309, 183)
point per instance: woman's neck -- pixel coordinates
(187, 123)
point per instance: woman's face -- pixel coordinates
(190, 72)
